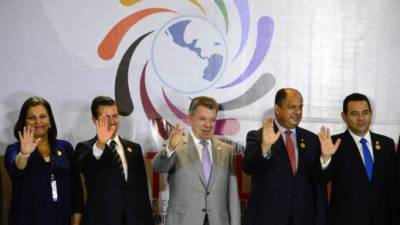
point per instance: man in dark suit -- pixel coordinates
(284, 163)
(361, 169)
(115, 176)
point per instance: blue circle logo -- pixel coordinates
(189, 54)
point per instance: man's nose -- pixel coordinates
(209, 123)
(297, 110)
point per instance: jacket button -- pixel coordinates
(208, 193)
(203, 210)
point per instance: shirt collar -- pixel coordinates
(197, 141)
(116, 139)
(357, 138)
(293, 130)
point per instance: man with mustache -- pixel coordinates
(115, 175)
(361, 169)
(201, 172)
(283, 161)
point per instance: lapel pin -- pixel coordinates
(59, 153)
(377, 145)
(130, 149)
(302, 145)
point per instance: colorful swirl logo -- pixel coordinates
(189, 54)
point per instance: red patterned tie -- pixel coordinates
(290, 150)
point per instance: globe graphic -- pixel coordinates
(189, 54)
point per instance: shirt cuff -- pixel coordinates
(324, 165)
(97, 152)
(24, 155)
(267, 155)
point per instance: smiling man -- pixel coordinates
(283, 162)
(361, 169)
(115, 175)
(201, 171)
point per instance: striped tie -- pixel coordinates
(116, 156)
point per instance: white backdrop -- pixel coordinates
(326, 49)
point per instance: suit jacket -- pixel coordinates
(277, 196)
(111, 199)
(397, 181)
(190, 198)
(355, 200)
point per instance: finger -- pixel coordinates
(279, 132)
(20, 136)
(337, 143)
(174, 129)
(322, 132)
(113, 128)
(25, 131)
(37, 141)
(178, 129)
(270, 121)
(103, 122)
(328, 133)
(264, 122)
(30, 133)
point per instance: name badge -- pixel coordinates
(54, 193)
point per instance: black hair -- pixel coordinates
(355, 97)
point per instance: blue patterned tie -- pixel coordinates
(369, 163)
(206, 160)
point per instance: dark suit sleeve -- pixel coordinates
(397, 183)
(9, 161)
(392, 185)
(254, 162)
(85, 159)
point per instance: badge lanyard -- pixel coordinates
(53, 184)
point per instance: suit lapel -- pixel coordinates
(128, 156)
(301, 150)
(194, 157)
(376, 149)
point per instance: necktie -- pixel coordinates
(206, 161)
(369, 163)
(116, 156)
(290, 150)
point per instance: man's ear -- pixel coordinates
(190, 117)
(343, 117)
(276, 108)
